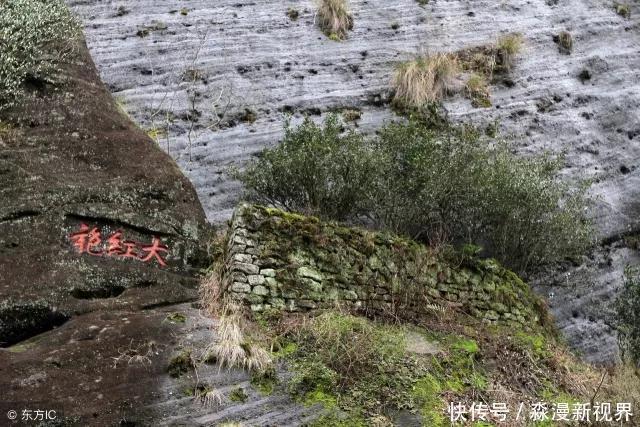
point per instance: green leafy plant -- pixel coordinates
(315, 170)
(35, 38)
(452, 186)
(430, 181)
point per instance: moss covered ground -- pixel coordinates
(366, 372)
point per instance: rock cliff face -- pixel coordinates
(101, 239)
(213, 83)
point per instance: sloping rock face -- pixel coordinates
(93, 214)
(102, 240)
(213, 83)
(98, 228)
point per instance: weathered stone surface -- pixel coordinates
(357, 283)
(240, 287)
(245, 268)
(72, 162)
(260, 290)
(243, 258)
(310, 273)
(268, 272)
(255, 279)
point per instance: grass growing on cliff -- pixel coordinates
(437, 184)
(623, 9)
(35, 38)
(628, 316)
(507, 48)
(424, 80)
(478, 90)
(334, 18)
(565, 42)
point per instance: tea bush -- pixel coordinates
(316, 170)
(35, 37)
(430, 181)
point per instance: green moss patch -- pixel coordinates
(180, 364)
(238, 395)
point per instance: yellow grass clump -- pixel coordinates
(477, 90)
(335, 18)
(507, 47)
(424, 80)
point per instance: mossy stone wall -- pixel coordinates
(297, 263)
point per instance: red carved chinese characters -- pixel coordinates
(152, 251)
(89, 240)
(130, 250)
(114, 244)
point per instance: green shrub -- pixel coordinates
(315, 170)
(35, 38)
(432, 182)
(628, 316)
(451, 186)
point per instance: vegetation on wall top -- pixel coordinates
(438, 184)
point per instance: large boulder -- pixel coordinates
(101, 236)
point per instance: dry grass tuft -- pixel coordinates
(140, 354)
(507, 47)
(209, 398)
(334, 18)
(565, 42)
(624, 383)
(424, 80)
(216, 281)
(477, 90)
(211, 290)
(623, 10)
(257, 359)
(233, 349)
(228, 350)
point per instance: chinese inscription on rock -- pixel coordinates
(90, 240)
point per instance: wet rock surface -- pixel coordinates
(93, 214)
(112, 368)
(93, 325)
(170, 67)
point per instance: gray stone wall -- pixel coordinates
(296, 263)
